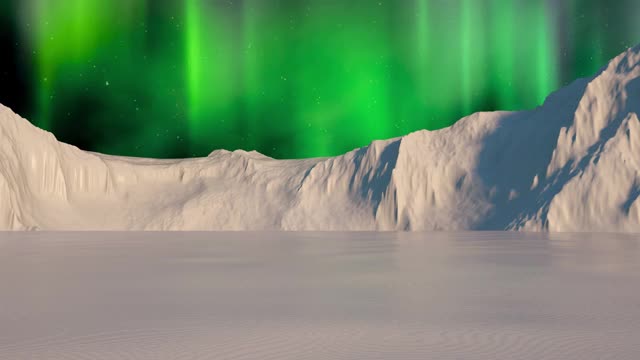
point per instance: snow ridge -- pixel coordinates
(572, 164)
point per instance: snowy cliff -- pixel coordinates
(572, 164)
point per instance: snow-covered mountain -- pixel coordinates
(572, 164)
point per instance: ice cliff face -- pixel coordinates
(572, 164)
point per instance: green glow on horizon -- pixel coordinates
(193, 63)
(251, 72)
(467, 55)
(546, 67)
(423, 33)
(63, 33)
(299, 78)
(503, 53)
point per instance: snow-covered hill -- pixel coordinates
(572, 164)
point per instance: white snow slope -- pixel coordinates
(572, 164)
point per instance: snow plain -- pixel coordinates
(324, 296)
(572, 164)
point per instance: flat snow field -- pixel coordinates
(326, 296)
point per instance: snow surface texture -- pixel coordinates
(572, 164)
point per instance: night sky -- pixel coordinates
(289, 78)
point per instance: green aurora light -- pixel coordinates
(298, 78)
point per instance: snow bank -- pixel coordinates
(572, 164)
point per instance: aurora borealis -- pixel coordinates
(290, 78)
